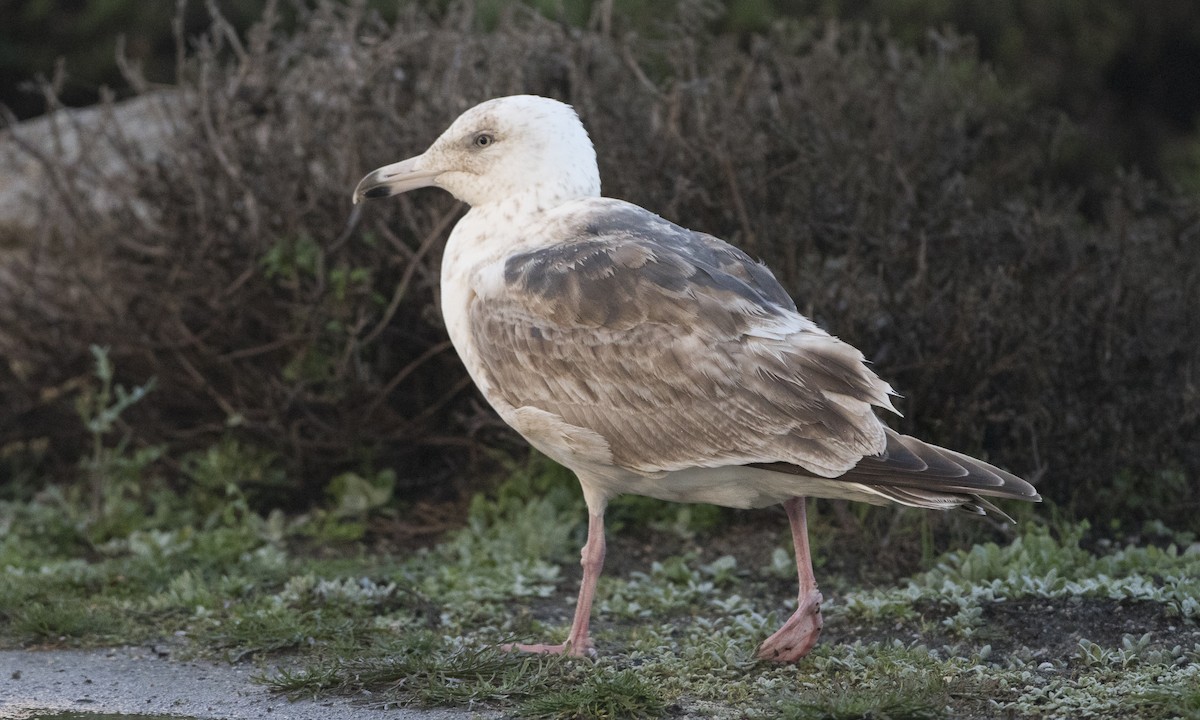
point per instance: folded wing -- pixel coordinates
(682, 352)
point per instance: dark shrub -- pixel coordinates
(907, 199)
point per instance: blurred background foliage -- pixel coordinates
(1127, 72)
(996, 201)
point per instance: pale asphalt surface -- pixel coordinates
(137, 680)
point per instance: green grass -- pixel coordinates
(676, 636)
(908, 700)
(621, 694)
(1042, 566)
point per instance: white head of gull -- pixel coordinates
(652, 359)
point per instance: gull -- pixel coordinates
(656, 360)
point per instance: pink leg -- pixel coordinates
(799, 634)
(592, 558)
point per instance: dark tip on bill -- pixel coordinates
(378, 192)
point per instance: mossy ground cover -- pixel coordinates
(1049, 624)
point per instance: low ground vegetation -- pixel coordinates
(340, 600)
(1043, 626)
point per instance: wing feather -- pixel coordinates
(676, 348)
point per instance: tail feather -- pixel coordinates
(941, 501)
(936, 468)
(912, 472)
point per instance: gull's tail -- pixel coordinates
(912, 472)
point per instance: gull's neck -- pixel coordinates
(544, 196)
(495, 229)
(499, 226)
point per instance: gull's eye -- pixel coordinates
(483, 140)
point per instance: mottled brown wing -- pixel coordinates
(675, 347)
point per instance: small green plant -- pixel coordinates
(356, 495)
(623, 694)
(353, 499)
(1172, 702)
(53, 621)
(229, 480)
(906, 701)
(291, 259)
(114, 471)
